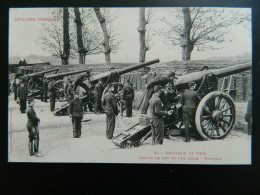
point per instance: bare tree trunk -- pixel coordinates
(187, 44)
(81, 49)
(66, 37)
(141, 29)
(105, 43)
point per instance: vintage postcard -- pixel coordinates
(130, 85)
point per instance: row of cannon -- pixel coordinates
(215, 115)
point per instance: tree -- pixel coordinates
(51, 36)
(199, 27)
(81, 49)
(66, 37)
(109, 43)
(144, 40)
(88, 36)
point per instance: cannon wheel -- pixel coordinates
(61, 94)
(215, 115)
(30, 86)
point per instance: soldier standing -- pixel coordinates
(70, 91)
(33, 129)
(52, 94)
(14, 88)
(163, 80)
(111, 109)
(248, 116)
(97, 96)
(189, 101)
(76, 114)
(156, 116)
(45, 89)
(128, 97)
(22, 95)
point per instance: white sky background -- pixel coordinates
(23, 36)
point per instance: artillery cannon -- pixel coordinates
(59, 83)
(106, 77)
(215, 115)
(34, 80)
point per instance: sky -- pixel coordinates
(23, 36)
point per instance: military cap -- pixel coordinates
(172, 74)
(204, 68)
(157, 88)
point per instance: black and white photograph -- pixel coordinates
(145, 85)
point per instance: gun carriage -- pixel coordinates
(106, 77)
(34, 81)
(215, 115)
(60, 85)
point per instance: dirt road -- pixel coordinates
(57, 144)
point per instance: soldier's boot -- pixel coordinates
(36, 149)
(30, 146)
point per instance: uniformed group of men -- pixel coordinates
(158, 100)
(159, 103)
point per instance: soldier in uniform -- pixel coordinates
(189, 101)
(70, 91)
(79, 82)
(14, 88)
(76, 114)
(163, 80)
(45, 89)
(128, 97)
(248, 116)
(52, 94)
(156, 116)
(97, 96)
(33, 129)
(22, 95)
(111, 109)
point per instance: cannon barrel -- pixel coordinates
(41, 73)
(222, 72)
(60, 75)
(125, 70)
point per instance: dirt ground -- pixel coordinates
(57, 144)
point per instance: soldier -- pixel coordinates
(76, 114)
(22, 96)
(248, 116)
(52, 94)
(14, 88)
(97, 96)
(189, 101)
(79, 82)
(163, 80)
(170, 93)
(128, 97)
(110, 106)
(45, 89)
(70, 91)
(33, 129)
(156, 116)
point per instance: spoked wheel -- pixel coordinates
(30, 86)
(60, 88)
(215, 115)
